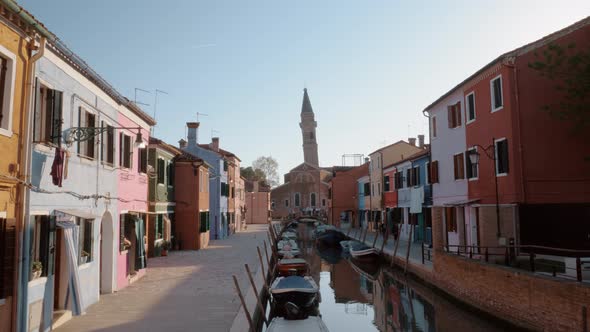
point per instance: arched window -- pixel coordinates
(312, 199)
(297, 201)
(311, 135)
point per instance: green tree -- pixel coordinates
(569, 68)
(252, 174)
(270, 167)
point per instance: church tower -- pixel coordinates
(308, 125)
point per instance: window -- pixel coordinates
(386, 183)
(311, 135)
(379, 189)
(204, 222)
(201, 181)
(86, 119)
(501, 150)
(459, 165)
(470, 105)
(472, 169)
(434, 171)
(398, 180)
(108, 145)
(7, 75)
(454, 115)
(86, 240)
(323, 202)
(170, 174)
(48, 116)
(434, 126)
(312, 199)
(224, 189)
(372, 189)
(159, 227)
(428, 171)
(122, 232)
(225, 165)
(496, 92)
(297, 202)
(43, 244)
(416, 176)
(233, 192)
(451, 219)
(124, 150)
(143, 160)
(7, 251)
(409, 178)
(161, 171)
(286, 203)
(330, 193)
(367, 188)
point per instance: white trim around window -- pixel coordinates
(476, 165)
(467, 108)
(492, 95)
(433, 126)
(9, 85)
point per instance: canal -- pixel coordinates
(376, 297)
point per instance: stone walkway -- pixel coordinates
(186, 291)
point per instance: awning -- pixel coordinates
(462, 202)
(79, 213)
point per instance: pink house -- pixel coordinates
(132, 192)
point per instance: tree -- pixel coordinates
(270, 167)
(251, 174)
(569, 68)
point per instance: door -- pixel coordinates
(57, 240)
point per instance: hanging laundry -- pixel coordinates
(57, 169)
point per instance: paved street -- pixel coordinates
(188, 290)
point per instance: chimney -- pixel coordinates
(215, 144)
(182, 143)
(192, 136)
(421, 141)
(412, 141)
(256, 185)
(366, 160)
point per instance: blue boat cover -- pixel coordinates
(294, 282)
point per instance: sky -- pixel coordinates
(370, 67)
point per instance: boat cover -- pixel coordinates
(292, 261)
(293, 284)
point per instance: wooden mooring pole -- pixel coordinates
(260, 306)
(250, 322)
(264, 275)
(375, 239)
(266, 253)
(385, 238)
(399, 234)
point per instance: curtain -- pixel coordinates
(140, 262)
(71, 236)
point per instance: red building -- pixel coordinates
(343, 203)
(543, 179)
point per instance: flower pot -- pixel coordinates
(84, 259)
(164, 252)
(36, 274)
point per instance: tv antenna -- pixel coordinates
(156, 107)
(201, 114)
(135, 97)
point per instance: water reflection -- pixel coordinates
(365, 296)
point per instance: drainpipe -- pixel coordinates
(427, 115)
(22, 225)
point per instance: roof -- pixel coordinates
(387, 146)
(414, 156)
(221, 151)
(76, 62)
(189, 157)
(165, 146)
(306, 105)
(514, 53)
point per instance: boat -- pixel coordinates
(310, 324)
(288, 235)
(292, 266)
(345, 246)
(308, 220)
(288, 248)
(361, 250)
(330, 237)
(330, 254)
(368, 269)
(300, 291)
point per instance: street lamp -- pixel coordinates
(81, 134)
(490, 152)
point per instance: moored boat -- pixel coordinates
(288, 235)
(292, 266)
(331, 237)
(361, 250)
(310, 324)
(288, 248)
(301, 291)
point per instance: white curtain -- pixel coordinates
(74, 295)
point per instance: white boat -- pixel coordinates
(345, 246)
(359, 249)
(311, 324)
(289, 235)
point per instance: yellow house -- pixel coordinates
(16, 39)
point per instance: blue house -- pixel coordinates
(421, 185)
(218, 179)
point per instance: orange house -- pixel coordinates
(191, 188)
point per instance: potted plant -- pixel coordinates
(165, 248)
(85, 256)
(37, 269)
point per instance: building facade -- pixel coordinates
(257, 202)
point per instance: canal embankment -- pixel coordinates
(533, 301)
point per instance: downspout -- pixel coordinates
(21, 321)
(429, 170)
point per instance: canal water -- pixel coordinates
(376, 297)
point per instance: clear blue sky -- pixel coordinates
(370, 66)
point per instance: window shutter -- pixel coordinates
(81, 123)
(458, 113)
(450, 116)
(120, 149)
(103, 141)
(461, 162)
(7, 253)
(38, 113)
(56, 116)
(433, 126)
(435, 171)
(47, 245)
